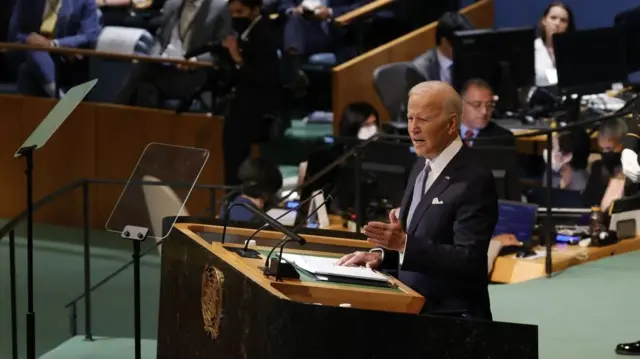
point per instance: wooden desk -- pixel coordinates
(400, 299)
(509, 269)
(335, 223)
(97, 141)
(215, 303)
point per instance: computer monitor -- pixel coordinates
(504, 58)
(628, 22)
(385, 168)
(589, 61)
(503, 162)
(516, 218)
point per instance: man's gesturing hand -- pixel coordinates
(386, 235)
(369, 259)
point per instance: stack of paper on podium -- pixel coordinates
(325, 266)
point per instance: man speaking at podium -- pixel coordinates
(440, 235)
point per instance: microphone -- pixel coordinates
(275, 266)
(252, 253)
(246, 243)
(272, 222)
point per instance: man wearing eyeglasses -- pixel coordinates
(478, 102)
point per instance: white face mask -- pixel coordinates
(557, 160)
(367, 132)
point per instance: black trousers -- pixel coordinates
(149, 84)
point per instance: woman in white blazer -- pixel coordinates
(557, 19)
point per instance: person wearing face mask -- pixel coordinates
(256, 96)
(359, 120)
(569, 158)
(556, 19)
(606, 181)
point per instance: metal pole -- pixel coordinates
(87, 262)
(73, 317)
(136, 298)
(358, 199)
(548, 224)
(31, 315)
(14, 304)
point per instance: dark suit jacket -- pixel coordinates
(212, 24)
(257, 81)
(428, 65)
(446, 254)
(77, 24)
(494, 130)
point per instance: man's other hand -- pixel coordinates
(386, 235)
(322, 12)
(508, 240)
(38, 40)
(369, 259)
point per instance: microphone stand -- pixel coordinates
(291, 271)
(548, 223)
(338, 161)
(275, 224)
(245, 251)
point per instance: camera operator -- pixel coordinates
(256, 97)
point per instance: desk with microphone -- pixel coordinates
(215, 302)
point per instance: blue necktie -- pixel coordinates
(418, 191)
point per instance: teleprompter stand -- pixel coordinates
(150, 203)
(37, 139)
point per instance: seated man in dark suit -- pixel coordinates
(440, 240)
(308, 30)
(478, 102)
(436, 64)
(261, 181)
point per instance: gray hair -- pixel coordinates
(451, 101)
(614, 128)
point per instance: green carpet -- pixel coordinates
(581, 313)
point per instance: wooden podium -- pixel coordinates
(217, 304)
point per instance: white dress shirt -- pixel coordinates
(182, 31)
(630, 166)
(445, 67)
(546, 74)
(437, 165)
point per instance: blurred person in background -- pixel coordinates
(437, 63)
(260, 182)
(569, 159)
(184, 26)
(253, 114)
(606, 180)
(48, 24)
(556, 19)
(359, 120)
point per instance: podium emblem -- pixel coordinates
(212, 283)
